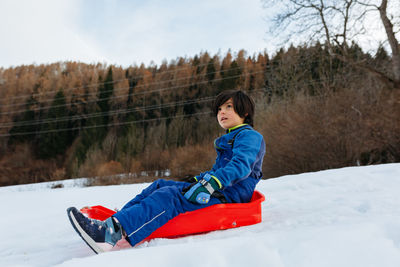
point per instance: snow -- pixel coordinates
(342, 217)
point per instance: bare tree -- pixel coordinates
(338, 23)
(391, 34)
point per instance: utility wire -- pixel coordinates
(123, 88)
(103, 83)
(134, 94)
(144, 108)
(177, 70)
(101, 114)
(115, 112)
(171, 104)
(143, 92)
(124, 123)
(158, 71)
(106, 125)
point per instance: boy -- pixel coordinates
(232, 179)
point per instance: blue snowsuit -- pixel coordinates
(238, 167)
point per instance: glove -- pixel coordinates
(192, 180)
(200, 192)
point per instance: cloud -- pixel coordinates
(41, 32)
(126, 32)
(141, 31)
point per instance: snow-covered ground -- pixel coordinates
(343, 217)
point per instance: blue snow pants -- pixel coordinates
(163, 200)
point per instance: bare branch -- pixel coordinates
(394, 44)
(340, 22)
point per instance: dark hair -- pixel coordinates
(242, 104)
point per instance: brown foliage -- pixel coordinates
(154, 160)
(191, 160)
(110, 168)
(107, 173)
(345, 129)
(20, 167)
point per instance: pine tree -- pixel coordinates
(211, 70)
(231, 77)
(90, 133)
(24, 126)
(53, 139)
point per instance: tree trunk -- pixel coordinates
(394, 44)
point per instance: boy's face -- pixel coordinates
(227, 117)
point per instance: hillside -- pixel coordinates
(341, 217)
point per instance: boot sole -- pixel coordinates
(85, 237)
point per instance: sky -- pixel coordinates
(127, 32)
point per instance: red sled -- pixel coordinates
(216, 217)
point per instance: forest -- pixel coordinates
(133, 124)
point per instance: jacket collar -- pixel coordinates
(236, 127)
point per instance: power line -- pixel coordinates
(134, 94)
(101, 114)
(86, 95)
(187, 66)
(114, 112)
(190, 67)
(265, 67)
(28, 123)
(104, 125)
(135, 109)
(147, 92)
(118, 89)
(93, 84)
(194, 101)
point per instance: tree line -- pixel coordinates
(71, 119)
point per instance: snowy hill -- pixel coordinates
(343, 217)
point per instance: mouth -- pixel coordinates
(223, 119)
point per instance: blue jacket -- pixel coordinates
(240, 154)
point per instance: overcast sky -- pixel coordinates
(125, 32)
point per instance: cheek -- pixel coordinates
(238, 118)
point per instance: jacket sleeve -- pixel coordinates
(244, 154)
